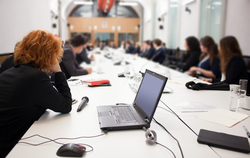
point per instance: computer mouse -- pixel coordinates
(72, 150)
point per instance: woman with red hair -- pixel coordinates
(26, 91)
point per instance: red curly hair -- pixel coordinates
(39, 49)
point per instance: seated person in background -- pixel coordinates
(193, 54)
(144, 49)
(26, 91)
(163, 45)
(101, 45)
(209, 66)
(137, 48)
(151, 50)
(69, 62)
(130, 48)
(122, 45)
(67, 42)
(159, 55)
(112, 44)
(9, 62)
(89, 46)
(83, 56)
(232, 65)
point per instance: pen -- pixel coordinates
(248, 134)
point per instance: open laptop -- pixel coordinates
(140, 113)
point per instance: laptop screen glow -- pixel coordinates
(148, 93)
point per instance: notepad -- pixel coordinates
(193, 106)
(223, 117)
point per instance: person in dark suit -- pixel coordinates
(130, 48)
(163, 45)
(144, 49)
(232, 64)
(8, 62)
(69, 64)
(101, 45)
(159, 55)
(137, 48)
(192, 46)
(151, 50)
(83, 56)
(112, 44)
(26, 91)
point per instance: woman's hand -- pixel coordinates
(207, 80)
(193, 69)
(56, 67)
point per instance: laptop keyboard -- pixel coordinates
(124, 114)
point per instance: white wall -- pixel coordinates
(189, 22)
(19, 17)
(238, 23)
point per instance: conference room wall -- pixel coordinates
(238, 23)
(20, 17)
(189, 22)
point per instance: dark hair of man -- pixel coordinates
(128, 42)
(164, 44)
(157, 42)
(151, 44)
(78, 40)
(211, 46)
(193, 43)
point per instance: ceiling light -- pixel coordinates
(83, 3)
(128, 3)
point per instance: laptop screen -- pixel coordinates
(148, 93)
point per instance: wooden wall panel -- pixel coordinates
(127, 25)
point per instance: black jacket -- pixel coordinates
(70, 64)
(83, 57)
(150, 53)
(191, 60)
(130, 49)
(236, 70)
(8, 63)
(25, 94)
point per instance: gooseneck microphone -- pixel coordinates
(82, 104)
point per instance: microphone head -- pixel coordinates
(86, 98)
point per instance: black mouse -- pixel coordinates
(72, 150)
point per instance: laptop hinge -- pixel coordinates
(146, 120)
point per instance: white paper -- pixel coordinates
(223, 117)
(193, 106)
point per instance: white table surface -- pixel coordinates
(130, 143)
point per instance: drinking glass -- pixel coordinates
(233, 97)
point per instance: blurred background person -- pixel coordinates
(159, 55)
(137, 48)
(101, 45)
(69, 64)
(112, 44)
(130, 48)
(192, 46)
(83, 56)
(151, 50)
(209, 65)
(9, 62)
(232, 65)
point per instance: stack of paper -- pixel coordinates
(223, 117)
(193, 106)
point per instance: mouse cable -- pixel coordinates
(180, 118)
(171, 136)
(166, 148)
(55, 140)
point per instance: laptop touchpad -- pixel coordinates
(105, 113)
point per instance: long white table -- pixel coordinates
(130, 143)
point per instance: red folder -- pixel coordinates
(94, 82)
